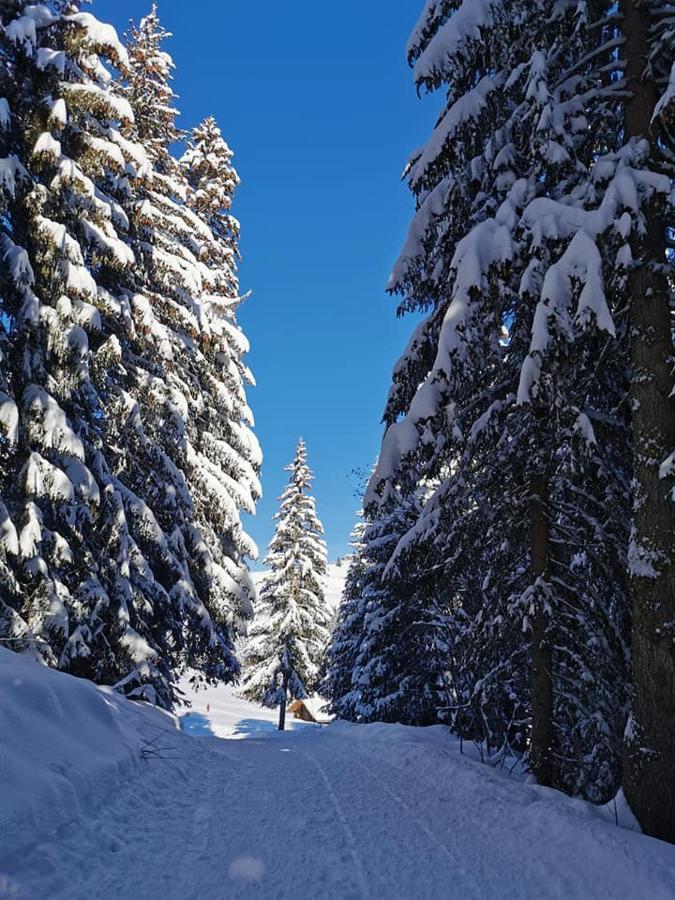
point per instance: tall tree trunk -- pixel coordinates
(282, 705)
(649, 757)
(541, 754)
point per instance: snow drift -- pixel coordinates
(63, 743)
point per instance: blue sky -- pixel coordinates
(318, 103)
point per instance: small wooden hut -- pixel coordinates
(311, 709)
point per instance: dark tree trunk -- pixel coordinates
(541, 753)
(282, 705)
(649, 757)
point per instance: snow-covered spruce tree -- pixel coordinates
(290, 631)
(149, 91)
(12, 627)
(648, 54)
(518, 200)
(346, 637)
(225, 446)
(184, 460)
(488, 547)
(212, 181)
(110, 565)
(63, 242)
(400, 664)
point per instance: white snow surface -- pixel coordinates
(335, 583)
(64, 745)
(342, 811)
(220, 712)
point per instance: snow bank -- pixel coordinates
(411, 745)
(64, 743)
(559, 846)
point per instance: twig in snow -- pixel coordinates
(149, 750)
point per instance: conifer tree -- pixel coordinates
(224, 443)
(186, 461)
(290, 631)
(212, 181)
(401, 655)
(518, 248)
(648, 56)
(64, 241)
(347, 635)
(149, 91)
(126, 444)
(13, 628)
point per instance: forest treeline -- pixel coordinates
(126, 452)
(514, 572)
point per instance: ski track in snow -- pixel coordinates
(349, 834)
(396, 797)
(339, 812)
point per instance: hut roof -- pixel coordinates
(315, 706)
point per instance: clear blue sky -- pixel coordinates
(318, 103)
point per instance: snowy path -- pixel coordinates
(343, 812)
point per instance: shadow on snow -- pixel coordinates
(254, 726)
(196, 724)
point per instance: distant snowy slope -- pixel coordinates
(335, 581)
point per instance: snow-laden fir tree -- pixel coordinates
(518, 247)
(117, 406)
(149, 90)
(12, 626)
(185, 459)
(388, 655)
(212, 181)
(290, 631)
(64, 240)
(346, 636)
(647, 53)
(225, 446)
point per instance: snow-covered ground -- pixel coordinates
(105, 798)
(219, 712)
